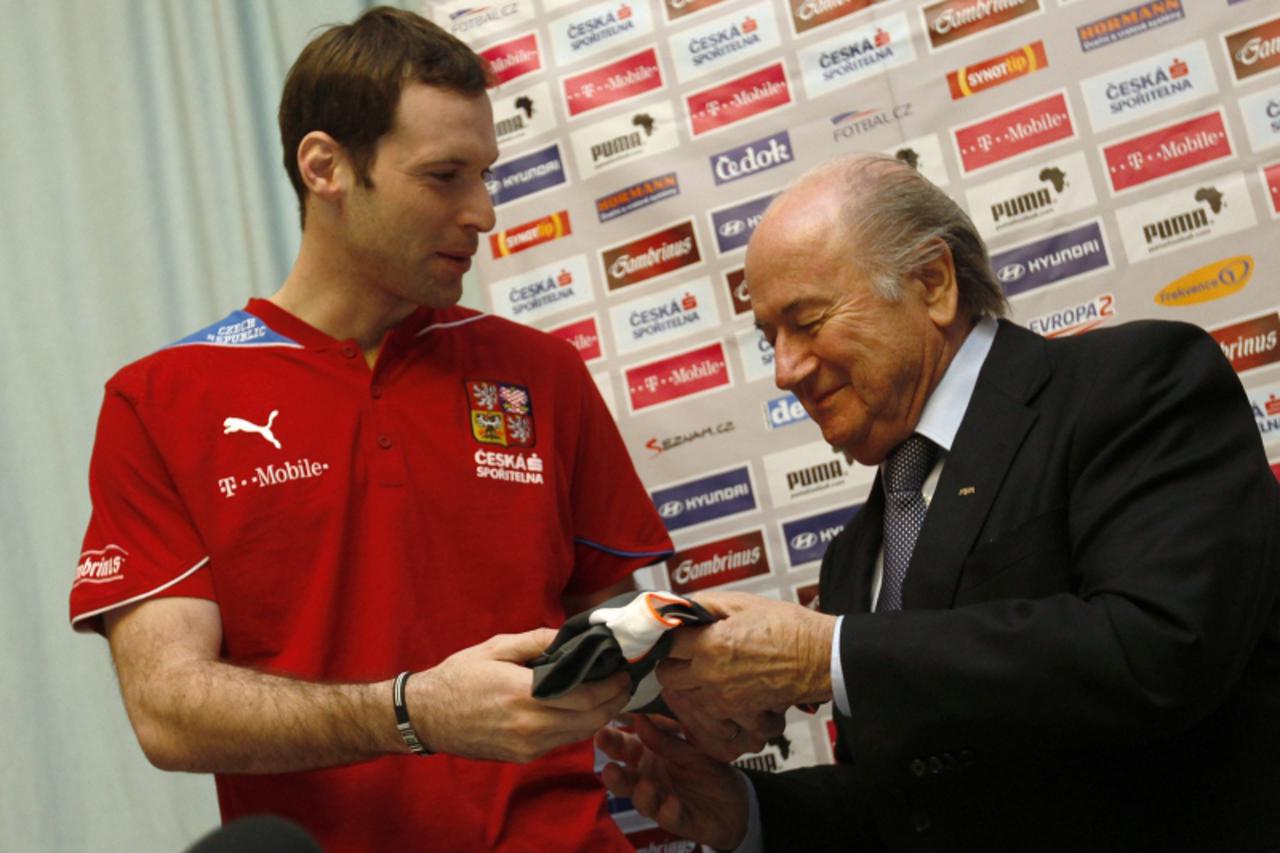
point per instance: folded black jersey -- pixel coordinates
(628, 632)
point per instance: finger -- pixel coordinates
(618, 779)
(595, 694)
(762, 726)
(519, 648)
(694, 716)
(646, 797)
(686, 643)
(619, 745)
(665, 744)
(676, 674)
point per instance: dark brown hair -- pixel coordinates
(347, 83)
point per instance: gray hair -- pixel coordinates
(896, 221)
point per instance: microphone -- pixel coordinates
(257, 834)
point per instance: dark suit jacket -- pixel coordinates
(1088, 658)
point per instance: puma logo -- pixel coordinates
(231, 425)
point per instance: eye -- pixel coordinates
(443, 177)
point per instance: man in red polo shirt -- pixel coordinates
(355, 479)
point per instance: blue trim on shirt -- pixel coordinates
(615, 552)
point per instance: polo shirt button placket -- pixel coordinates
(384, 441)
(348, 351)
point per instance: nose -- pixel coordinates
(477, 209)
(792, 361)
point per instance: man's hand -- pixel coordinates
(477, 703)
(762, 655)
(671, 782)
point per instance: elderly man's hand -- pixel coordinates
(763, 655)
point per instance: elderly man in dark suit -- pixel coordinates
(1054, 624)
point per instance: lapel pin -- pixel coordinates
(967, 490)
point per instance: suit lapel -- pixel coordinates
(867, 533)
(993, 428)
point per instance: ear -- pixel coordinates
(939, 288)
(322, 164)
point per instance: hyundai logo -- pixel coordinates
(732, 228)
(671, 509)
(804, 541)
(1011, 272)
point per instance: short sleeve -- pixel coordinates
(140, 542)
(616, 527)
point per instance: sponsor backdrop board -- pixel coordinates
(1121, 158)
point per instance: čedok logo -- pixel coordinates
(751, 158)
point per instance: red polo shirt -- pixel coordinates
(351, 523)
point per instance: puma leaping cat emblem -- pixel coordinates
(231, 425)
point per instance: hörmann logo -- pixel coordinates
(723, 41)
(515, 58)
(1015, 132)
(704, 499)
(1075, 319)
(811, 14)
(525, 175)
(952, 20)
(628, 199)
(754, 157)
(856, 54)
(1131, 22)
(733, 226)
(1052, 259)
(613, 82)
(739, 99)
(101, 565)
(1255, 50)
(1167, 151)
(1212, 281)
(676, 377)
(807, 538)
(711, 564)
(529, 234)
(1251, 343)
(1150, 86)
(655, 254)
(1019, 62)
